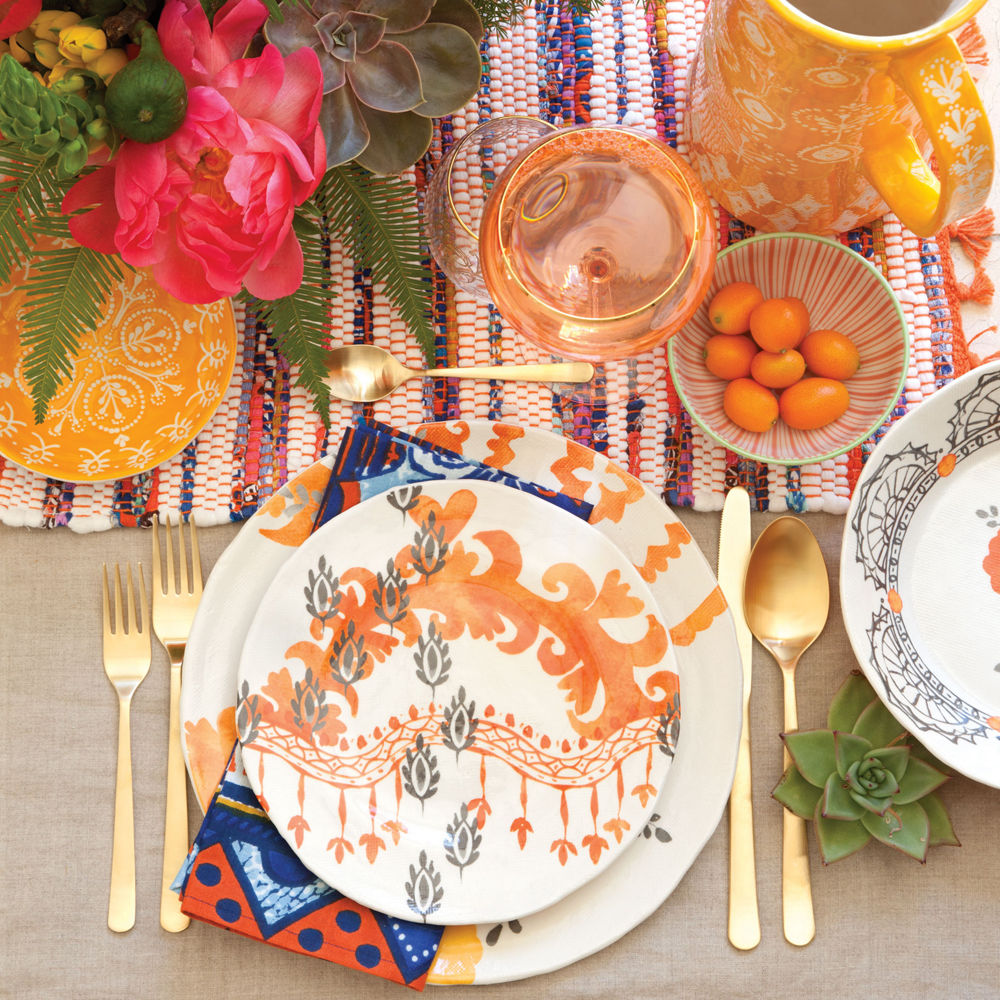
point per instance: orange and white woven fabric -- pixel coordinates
(623, 63)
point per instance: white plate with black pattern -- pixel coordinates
(920, 573)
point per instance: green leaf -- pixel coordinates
(796, 794)
(838, 838)
(877, 725)
(300, 322)
(904, 827)
(848, 749)
(917, 749)
(853, 696)
(941, 831)
(870, 803)
(920, 779)
(65, 296)
(837, 802)
(813, 753)
(377, 219)
(29, 194)
(894, 759)
(450, 67)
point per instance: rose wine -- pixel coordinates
(595, 240)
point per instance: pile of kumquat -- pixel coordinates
(767, 346)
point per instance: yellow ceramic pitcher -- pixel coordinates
(798, 124)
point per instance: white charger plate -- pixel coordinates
(449, 695)
(697, 788)
(920, 573)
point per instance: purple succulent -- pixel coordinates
(389, 67)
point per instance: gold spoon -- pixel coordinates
(786, 599)
(362, 373)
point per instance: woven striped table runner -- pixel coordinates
(620, 64)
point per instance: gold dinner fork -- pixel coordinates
(175, 600)
(126, 662)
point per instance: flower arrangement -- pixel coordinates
(864, 777)
(223, 147)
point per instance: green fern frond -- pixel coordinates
(275, 8)
(377, 219)
(29, 198)
(300, 321)
(65, 295)
(499, 15)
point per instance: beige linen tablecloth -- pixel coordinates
(886, 926)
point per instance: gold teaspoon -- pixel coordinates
(362, 373)
(786, 598)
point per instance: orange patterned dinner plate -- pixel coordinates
(143, 384)
(451, 698)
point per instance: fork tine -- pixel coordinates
(143, 600)
(169, 546)
(119, 622)
(157, 570)
(182, 559)
(130, 591)
(106, 602)
(195, 559)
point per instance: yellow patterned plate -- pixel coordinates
(144, 383)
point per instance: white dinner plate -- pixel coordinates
(450, 694)
(649, 533)
(920, 573)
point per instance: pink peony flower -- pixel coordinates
(16, 15)
(210, 208)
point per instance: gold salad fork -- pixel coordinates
(126, 662)
(175, 600)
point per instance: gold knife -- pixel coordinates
(734, 553)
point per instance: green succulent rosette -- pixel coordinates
(864, 777)
(389, 67)
(46, 124)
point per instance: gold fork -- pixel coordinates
(126, 662)
(175, 600)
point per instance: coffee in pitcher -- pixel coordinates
(875, 18)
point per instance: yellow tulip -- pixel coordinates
(108, 63)
(66, 78)
(20, 46)
(61, 69)
(49, 23)
(47, 53)
(84, 44)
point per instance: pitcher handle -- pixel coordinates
(937, 81)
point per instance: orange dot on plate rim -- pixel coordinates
(947, 465)
(895, 601)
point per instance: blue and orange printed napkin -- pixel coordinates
(241, 874)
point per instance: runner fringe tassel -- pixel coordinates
(974, 359)
(972, 44)
(973, 235)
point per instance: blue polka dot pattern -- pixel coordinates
(208, 874)
(368, 956)
(228, 910)
(241, 881)
(348, 921)
(310, 939)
